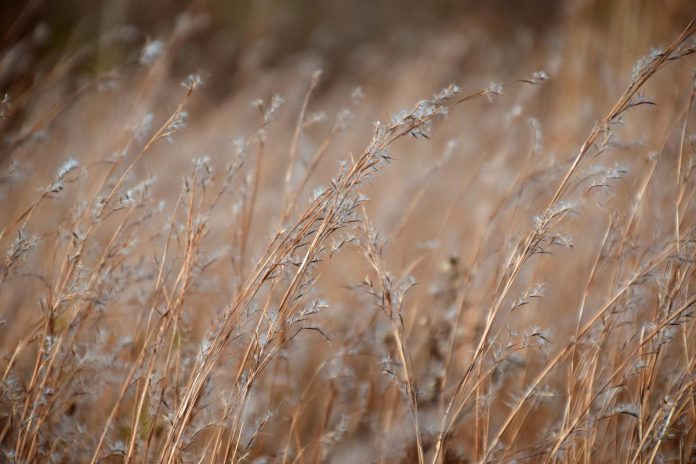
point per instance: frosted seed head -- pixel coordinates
(151, 51)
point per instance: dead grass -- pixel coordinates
(461, 282)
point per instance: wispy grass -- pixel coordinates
(257, 310)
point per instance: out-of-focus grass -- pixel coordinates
(513, 281)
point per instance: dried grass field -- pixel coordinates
(366, 233)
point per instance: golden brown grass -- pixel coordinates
(502, 301)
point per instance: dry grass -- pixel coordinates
(460, 282)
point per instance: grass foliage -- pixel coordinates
(290, 297)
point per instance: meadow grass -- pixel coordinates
(288, 297)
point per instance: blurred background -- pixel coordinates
(233, 40)
(399, 49)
